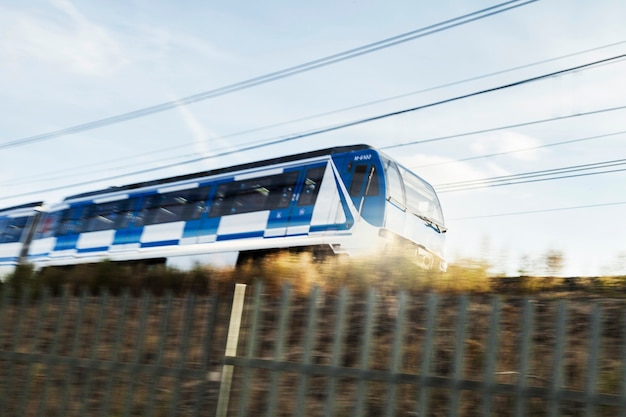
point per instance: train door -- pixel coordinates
(68, 230)
(128, 226)
(303, 201)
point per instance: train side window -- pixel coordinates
(311, 186)
(251, 196)
(395, 186)
(257, 194)
(282, 189)
(194, 202)
(357, 180)
(239, 197)
(102, 216)
(420, 197)
(155, 210)
(159, 208)
(47, 226)
(13, 229)
(3, 226)
(126, 214)
(174, 206)
(221, 201)
(70, 222)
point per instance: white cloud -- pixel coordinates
(205, 142)
(68, 41)
(441, 170)
(514, 145)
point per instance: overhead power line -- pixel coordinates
(493, 129)
(333, 127)
(518, 213)
(534, 176)
(358, 106)
(71, 173)
(530, 148)
(277, 75)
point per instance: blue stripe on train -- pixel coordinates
(278, 219)
(95, 249)
(160, 243)
(246, 235)
(66, 242)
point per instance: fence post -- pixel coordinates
(231, 349)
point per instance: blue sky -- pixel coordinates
(66, 63)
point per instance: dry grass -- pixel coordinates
(146, 329)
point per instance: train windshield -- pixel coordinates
(420, 197)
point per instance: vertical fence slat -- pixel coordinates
(212, 310)
(251, 339)
(33, 348)
(525, 350)
(95, 344)
(60, 322)
(622, 392)
(232, 341)
(593, 359)
(119, 330)
(365, 348)
(162, 337)
(76, 326)
(491, 355)
(183, 348)
(17, 337)
(144, 302)
(459, 354)
(279, 345)
(396, 354)
(309, 339)
(336, 350)
(429, 340)
(557, 360)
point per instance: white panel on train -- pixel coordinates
(10, 250)
(103, 238)
(206, 239)
(395, 218)
(66, 253)
(162, 232)
(243, 223)
(328, 209)
(299, 230)
(42, 246)
(418, 230)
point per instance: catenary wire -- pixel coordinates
(493, 129)
(529, 179)
(531, 148)
(517, 213)
(540, 173)
(48, 178)
(277, 75)
(362, 105)
(335, 127)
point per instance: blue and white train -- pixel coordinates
(344, 200)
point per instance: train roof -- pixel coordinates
(233, 168)
(22, 206)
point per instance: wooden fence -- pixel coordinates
(374, 353)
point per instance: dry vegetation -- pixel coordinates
(148, 338)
